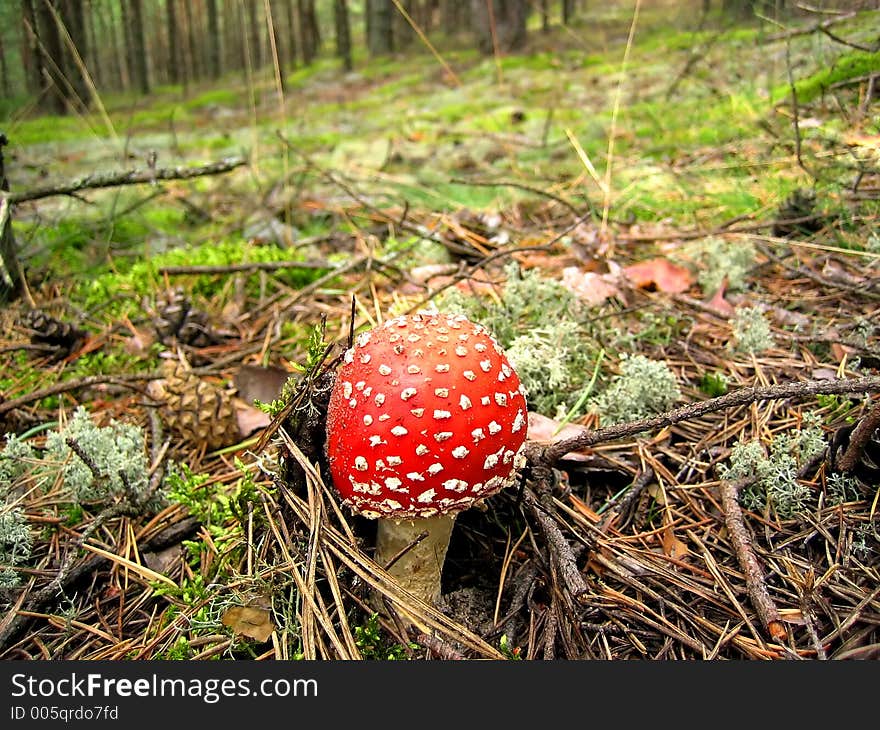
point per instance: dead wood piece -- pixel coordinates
(741, 543)
(848, 460)
(561, 553)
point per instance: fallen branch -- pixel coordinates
(130, 177)
(748, 562)
(541, 454)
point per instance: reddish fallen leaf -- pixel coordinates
(719, 303)
(672, 546)
(661, 275)
(547, 430)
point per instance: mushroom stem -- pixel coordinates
(419, 562)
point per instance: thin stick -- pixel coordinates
(129, 177)
(548, 454)
(739, 539)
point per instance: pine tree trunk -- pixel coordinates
(215, 56)
(380, 40)
(176, 69)
(254, 37)
(309, 38)
(138, 48)
(192, 44)
(54, 91)
(343, 33)
(291, 32)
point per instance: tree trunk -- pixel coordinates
(309, 37)
(54, 92)
(567, 11)
(215, 55)
(138, 54)
(5, 84)
(500, 25)
(192, 34)
(380, 40)
(96, 67)
(343, 33)
(291, 33)
(176, 67)
(402, 31)
(72, 17)
(11, 276)
(253, 30)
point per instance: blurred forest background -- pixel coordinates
(60, 54)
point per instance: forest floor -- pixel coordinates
(682, 262)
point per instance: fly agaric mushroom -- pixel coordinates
(426, 417)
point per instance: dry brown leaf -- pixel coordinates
(250, 621)
(672, 546)
(591, 287)
(660, 274)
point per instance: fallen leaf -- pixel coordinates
(259, 383)
(250, 418)
(546, 430)
(672, 546)
(659, 274)
(250, 621)
(719, 303)
(591, 287)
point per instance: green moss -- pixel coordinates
(845, 68)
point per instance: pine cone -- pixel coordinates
(194, 408)
(176, 320)
(46, 330)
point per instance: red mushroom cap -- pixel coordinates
(426, 417)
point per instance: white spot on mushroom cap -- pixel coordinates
(442, 367)
(399, 431)
(421, 449)
(464, 402)
(485, 365)
(363, 339)
(427, 496)
(415, 476)
(441, 436)
(384, 369)
(491, 461)
(360, 463)
(392, 482)
(518, 421)
(441, 392)
(366, 357)
(460, 452)
(478, 435)
(501, 399)
(455, 485)
(413, 369)
(435, 469)
(394, 460)
(407, 393)
(379, 399)
(461, 351)
(494, 427)
(470, 375)
(346, 389)
(441, 415)
(368, 419)
(376, 440)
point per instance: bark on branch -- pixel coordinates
(549, 454)
(130, 177)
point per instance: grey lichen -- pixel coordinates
(751, 330)
(108, 462)
(539, 323)
(722, 260)
(773, 470)
(644, 388)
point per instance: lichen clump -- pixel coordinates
(644, 388)
(772, 471)
(751, 331)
